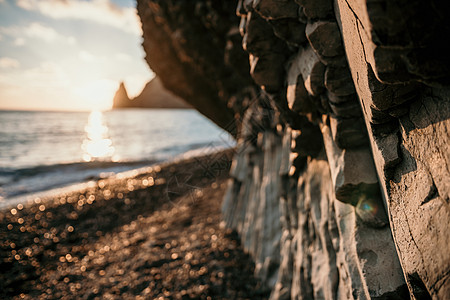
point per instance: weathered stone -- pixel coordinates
(336, 61)
(238, 166)
(376, 116)
(266, 72)
(290, 30)
(341, 99)
(348, 133)
(248, 5)
(414, 200)
(307, 245)
(398, 111)
(285, 154)
(387, 96)
(301, 15)
(325, 38)
(349, 109)
(388, 145)
(339, 81)
(299, 162)
(259, 38)
(367, 268)
(276, 9)
(352, 171)
(308, 142)
(312, 70)
(243, 25)
(240, 10)
(401, 41)
(315, 272)
(282, 289)
(297, 97)
(317, 9)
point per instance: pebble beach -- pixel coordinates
(156, 234)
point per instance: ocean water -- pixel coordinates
(45, 150)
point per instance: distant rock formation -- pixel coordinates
(154, 95)
(121, 98)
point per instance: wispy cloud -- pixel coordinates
(19, 42)
(9, 63)
(86, 56)
(122, 57)
(99, 11)
(46, 74)
(38, 31)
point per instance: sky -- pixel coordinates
(69, 54)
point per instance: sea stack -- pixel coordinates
(121, 98)
(153, 95)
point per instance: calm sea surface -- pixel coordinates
(44, 150)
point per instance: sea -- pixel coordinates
(41, 151)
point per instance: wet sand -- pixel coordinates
(153, 235)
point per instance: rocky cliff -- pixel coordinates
(341, 112)
(154, 95)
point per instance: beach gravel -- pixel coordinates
(151, 235)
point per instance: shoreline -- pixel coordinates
(154, 234)
(6, 203)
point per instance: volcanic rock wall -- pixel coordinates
(340, 182)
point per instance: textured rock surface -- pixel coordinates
(339, 184)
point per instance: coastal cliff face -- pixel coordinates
(340, 182)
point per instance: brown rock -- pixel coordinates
(240, 9)
(267, 72)
(348, 133)
(349, 109)
(325, 38)
(276, 9)
(312, 70)
(317, 9)
(298, 98)
(308, 142)
(338, 80)
(341, 99)
(121, 98)
(352, 171)
(289, 30)
(388, 145)
(154, 95)
(259, 38)
(248, 5)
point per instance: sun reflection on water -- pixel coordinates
(97, 145)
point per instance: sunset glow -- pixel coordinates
(97, 144)
(69, 54)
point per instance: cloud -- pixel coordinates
(19, 42)
(123, 57)
(46, 76)
(99, 11)
(9, 63)
(38, 31)
(86, 56)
